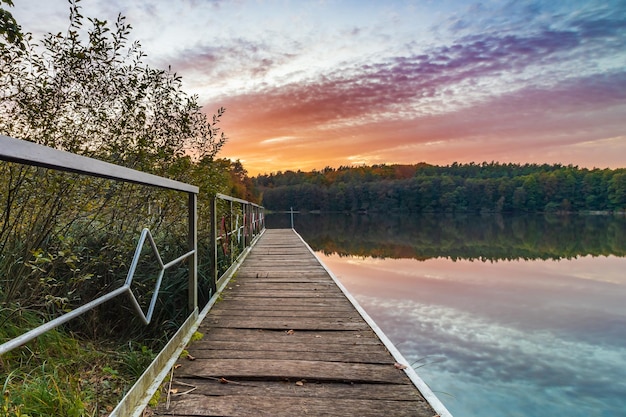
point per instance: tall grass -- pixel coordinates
(59, 375)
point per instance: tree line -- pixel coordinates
(486, 187)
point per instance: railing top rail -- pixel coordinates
(24, 152)
(235, 199)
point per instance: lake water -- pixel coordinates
(500, 316)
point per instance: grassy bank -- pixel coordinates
(59, 374)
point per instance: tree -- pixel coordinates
(617, 190)
(96, 97)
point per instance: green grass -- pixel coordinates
(60, 375)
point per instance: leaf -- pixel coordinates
(223, 381)
(290, 332)
(191, 358)
(400, 366)
(178, 365)
(299, 383)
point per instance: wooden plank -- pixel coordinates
(254, 284)
(279, 291)
(308, 337)
(234, 405)
(303, 302)
(287, 323)
(306, 355)
(292, 305)
(269, 312)
(291, 370)
(285, 346)
(326, 390)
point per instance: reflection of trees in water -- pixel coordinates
(488, 237)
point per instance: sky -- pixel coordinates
(311, 84)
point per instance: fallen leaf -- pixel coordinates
(178, 365)
(191, 358)
(290, 332)
(174, 391)
(299, 383)
(400, 366)
(317, 336)
(223, 381)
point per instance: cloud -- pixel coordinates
(487, 81)
(469, 348)
(363, 90)
(281, 139)
(377, 118)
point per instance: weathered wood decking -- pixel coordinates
(285, 341)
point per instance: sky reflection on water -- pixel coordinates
(508, 338)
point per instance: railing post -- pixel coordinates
(214, 240)
(249, 234)
(230, 237)
(193, 246)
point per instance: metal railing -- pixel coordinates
(28, 153)
(240, 224)
(234, 227)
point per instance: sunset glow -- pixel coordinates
(329, 83)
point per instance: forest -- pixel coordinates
(455, 188)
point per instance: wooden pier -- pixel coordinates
(285, 341)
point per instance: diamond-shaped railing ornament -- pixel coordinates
(145, 317)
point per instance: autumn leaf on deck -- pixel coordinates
(400, 366)
(290, 332)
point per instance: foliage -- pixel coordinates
(96, 97)
(487, 187)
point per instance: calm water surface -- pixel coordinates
(512, 328)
